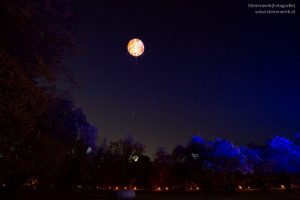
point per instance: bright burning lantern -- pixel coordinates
(135, 47)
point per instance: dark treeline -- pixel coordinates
(47, 143)
(200, 165)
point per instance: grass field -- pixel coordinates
(252, 196)
(155, 196)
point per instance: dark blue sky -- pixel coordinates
(213, 68)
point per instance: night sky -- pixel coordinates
(212, 68)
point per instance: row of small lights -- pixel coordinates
(248, 187)
(115, 188)
(135, 188)
(167, 188)
(157, 189)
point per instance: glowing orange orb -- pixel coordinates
(135, 47)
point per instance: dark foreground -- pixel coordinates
(252, 196)
(154, 196)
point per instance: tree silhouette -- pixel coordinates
(38, 126)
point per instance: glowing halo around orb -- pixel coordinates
(136, 47)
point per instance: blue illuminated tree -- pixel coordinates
(285, 154)
(276, 163)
